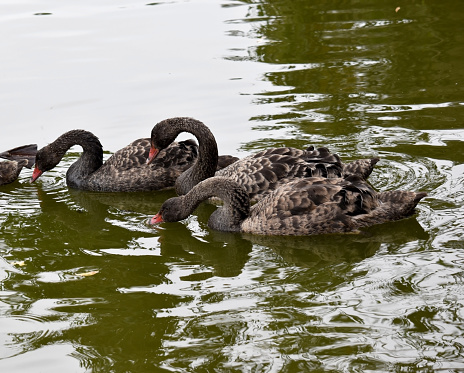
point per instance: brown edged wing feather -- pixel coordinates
(312, 206)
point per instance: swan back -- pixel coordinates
(311, 206)
(321, 206)
(263, 172)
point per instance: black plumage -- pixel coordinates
(125, 171)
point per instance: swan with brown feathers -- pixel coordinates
(301, 207)
(259, 173)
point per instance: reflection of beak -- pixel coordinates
(156, 219)
(35, 174)
(152, 155)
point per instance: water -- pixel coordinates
(87, 286)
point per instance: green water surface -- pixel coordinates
(87, 286)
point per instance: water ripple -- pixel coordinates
(382, 108)
(21, 333)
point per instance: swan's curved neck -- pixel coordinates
(90, 160)
(235, 209)
(206, 163)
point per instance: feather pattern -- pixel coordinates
(263, 172)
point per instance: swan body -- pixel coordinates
(16, 159)
(259, 173)
(125, 171)
(308, 206)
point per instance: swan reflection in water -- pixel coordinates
(178, 240)
(320, 250)
(113, 223)
(77, 231)
(99, 221)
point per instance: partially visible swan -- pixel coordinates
(17, 158)
(259, 173)
(301, 207)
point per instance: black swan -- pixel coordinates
(301, 207)
(17, 158)
(125, 171)
(259, 173)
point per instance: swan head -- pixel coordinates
(161, 138)
(45, 160)
(166, 131)
(171, 211)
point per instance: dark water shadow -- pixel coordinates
(108, 327)
(225, 253)
(139, 202)
(176, 241)
(309, 251)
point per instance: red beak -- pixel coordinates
(35, 174)
(152, 155)
(156, 219)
